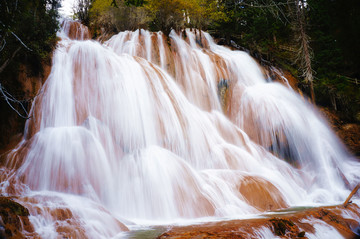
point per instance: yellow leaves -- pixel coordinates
(99, 6)
(163, 14)
(203, 12)
(173, 6)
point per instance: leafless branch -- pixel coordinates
(4, 65)
(18, 38)
(10, 100)
(3, 42)
(273, 7)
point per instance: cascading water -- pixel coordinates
(144, 129)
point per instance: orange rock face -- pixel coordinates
(14, 221)
(291, 225)
(76, 31)
(261, 194)
(349, 133)
(28, 87)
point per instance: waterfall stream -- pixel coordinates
(144, 129)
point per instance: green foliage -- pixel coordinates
(27, 33)
(339, 22)
(335, 34)
(81, 10)
(257, 28)
(136, 3)
(117, 15)
(204, 13)
(164, 15)
(27, 38)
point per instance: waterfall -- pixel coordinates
(148, 128)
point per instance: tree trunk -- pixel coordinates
(347, 201)
(305, 50)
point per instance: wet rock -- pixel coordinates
(223, 94)
(284, 227)
(14, 221)
(261, 194)
(301, 234)
(357, 232)
(24, 86)
(348, 133)
(297, 224)
(283, 77)
(76, 30)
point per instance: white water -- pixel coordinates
(322, 230)
(134, 129)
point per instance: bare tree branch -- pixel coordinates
(304, 52)
(6, 63)
(271, 6)
(3, 44)
(18, 38)
(10, 100)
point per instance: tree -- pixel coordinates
(163, 15)
(27, 36)
(335, 33)
(118, 15)
(27, 29)
(136, 3)
(82, 9)
(167, 14)
(203, 13)
(302, 38)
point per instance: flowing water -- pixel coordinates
(144, 130)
